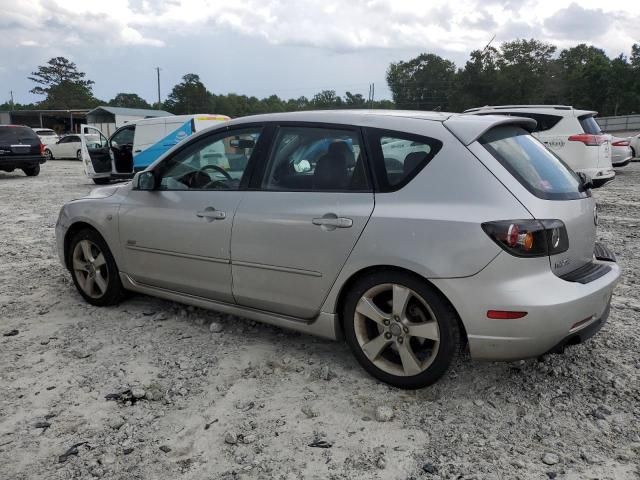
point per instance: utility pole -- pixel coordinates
(158, 72)
(11, 93)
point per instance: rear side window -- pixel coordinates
(18, 135)
(589, 125)
(400, 156)
(535, 167)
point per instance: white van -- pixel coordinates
(138, 144)
(572, 134)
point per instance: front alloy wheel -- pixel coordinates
(94, 269)
(400, 330)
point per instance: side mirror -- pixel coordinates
(586, 180)
(144, 181)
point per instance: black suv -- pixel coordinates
(21, 148)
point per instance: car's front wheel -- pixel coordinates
(400, 329)
(32, 171)
(94, 269)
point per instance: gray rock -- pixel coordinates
(107, 459)
(251, 438)
(154, 392)
(381, 463)
(216, 327)
(310, 411)
(384, 413)
(230, 438)
(325, 373)
(165, 448)
(116, 422)
(550, 458)
(160, 317)
(138, 392)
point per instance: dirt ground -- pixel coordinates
(153, 390)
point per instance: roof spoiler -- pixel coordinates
(468, 128)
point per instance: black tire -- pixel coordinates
(447, 319)
(101, 181)
(79, 155)
(114, 292)
(33, 171)
(49, 154)
(633, 153)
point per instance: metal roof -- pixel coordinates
(130, 112)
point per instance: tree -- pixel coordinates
(129, 100)
(63, 85)
(354, 100)
(422, 83)
(586, 73)
(326, 99)
(189, 96)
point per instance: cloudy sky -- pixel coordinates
(287, 47)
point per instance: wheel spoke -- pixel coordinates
(99, 261)
(86, 250)
(367, 308)
(79, 265)
(425, 330)
(410, 363)
(88, 285)
(401, 297)
(375, 347)
(101, 283)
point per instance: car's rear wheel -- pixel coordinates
(32, 171)
(48, 154)
(400, 329)
(79, 155)
(100, 181)
(94, 269)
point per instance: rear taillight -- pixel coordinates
(529, 238)
(588, 139)
(42, 149)
(621, 143)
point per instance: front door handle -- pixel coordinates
(211, 214)
(331, 221)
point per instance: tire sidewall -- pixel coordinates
(33, 171)
(114, 292)
(445, 316)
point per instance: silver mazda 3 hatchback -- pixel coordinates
(408, 234)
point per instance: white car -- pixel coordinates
(46, 135)
(573, 135)
(68, 147)
(621, 153)
(634, 143)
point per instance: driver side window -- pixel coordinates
(217, 162)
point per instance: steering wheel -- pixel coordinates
(217, 169)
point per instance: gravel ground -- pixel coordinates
(155, 390)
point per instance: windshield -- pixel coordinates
(535, 167)
(45, 132)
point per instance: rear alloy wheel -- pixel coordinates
(400, 330)
(79, 155)
(48, 155)
(94, 269)
(32, 171)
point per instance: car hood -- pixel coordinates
(105, 192)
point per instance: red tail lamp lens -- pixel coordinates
(505, 314)
(41, 149)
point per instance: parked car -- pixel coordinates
(69, 146)
(621, 153)
(137, 145)
(572, 134)
(634, 143)
(480, 235)
(46, 135)
(20, 148)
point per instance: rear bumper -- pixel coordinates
(621, 162)
(558, 311)
(20, 161)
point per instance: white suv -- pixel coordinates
(573, 135)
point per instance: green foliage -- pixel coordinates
(63, 85)
(521, 72)
(129, 100)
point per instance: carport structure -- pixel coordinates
(62, 121)
(108, 119)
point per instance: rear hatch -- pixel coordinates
(18, 140)
(598, 140)
(556, 193)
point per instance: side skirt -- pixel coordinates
(324, 325)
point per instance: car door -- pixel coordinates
(177, 237)
(121, 143)
(71, 146)
(302, 216)
(95, 154)
(61, 149)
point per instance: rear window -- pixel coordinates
(45, 132)
(535, 167)
(10, 135)
(589, 125)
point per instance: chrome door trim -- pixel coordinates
(297, 271)
(176, 254)
(323, 325)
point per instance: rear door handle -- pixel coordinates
(330, 222)
(211, 214)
